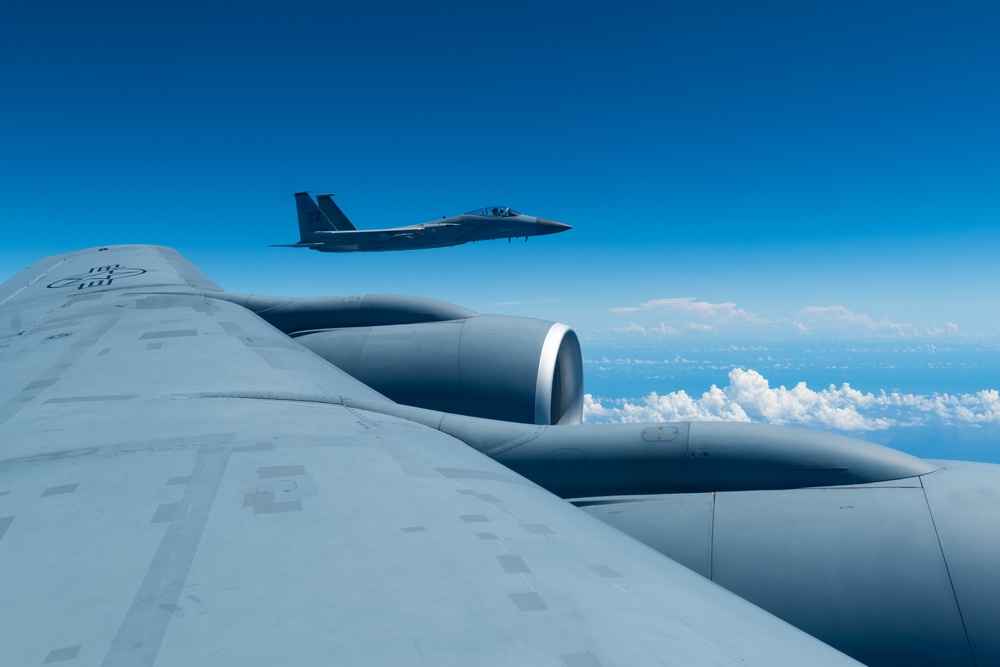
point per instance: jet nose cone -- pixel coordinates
(550, 226)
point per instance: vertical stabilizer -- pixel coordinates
(334, 214)
(311, 219)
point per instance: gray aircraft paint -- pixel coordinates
(898, 572)
(206, 520)
(896, 564)
(535, 376)
(333, 214)
(893, 560)
(324, 227)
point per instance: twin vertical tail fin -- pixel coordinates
(311, 219)
(333, 214)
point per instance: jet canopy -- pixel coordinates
(495, 212)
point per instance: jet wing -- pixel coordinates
(380, 234)
(180, 484)
(409, 229)
(429, 225)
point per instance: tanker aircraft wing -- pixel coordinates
(183, 484)
(324, 227)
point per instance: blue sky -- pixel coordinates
(745, 171)
(778, 156)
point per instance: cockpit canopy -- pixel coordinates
(495, 212)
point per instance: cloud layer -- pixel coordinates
(718, 312)
(749, 397)
(674, 316)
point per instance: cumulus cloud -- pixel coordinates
(949, 329)
(633, 327)
(664, 330)
(718, 312)
(838, 317)
(688, 315)
(749, 397)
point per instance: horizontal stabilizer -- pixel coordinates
(295, 245)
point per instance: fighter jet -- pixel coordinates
(327, 229)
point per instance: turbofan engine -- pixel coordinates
(435, 355)
(507, 368)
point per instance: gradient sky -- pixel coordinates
(731, 169)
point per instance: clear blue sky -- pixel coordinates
(823, 167)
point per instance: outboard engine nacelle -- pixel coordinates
(514, 369)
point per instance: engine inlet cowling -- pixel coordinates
(514, 369)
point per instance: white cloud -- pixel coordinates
(686, 314)
(949, 329)
(826, 318)
(664, 330)
(524, 303)
(716, 312)
(633, 327)
(749, 397)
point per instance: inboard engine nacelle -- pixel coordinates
(513, 369)
(435, 355)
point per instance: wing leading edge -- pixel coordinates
(161, 502)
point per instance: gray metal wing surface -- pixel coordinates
(180, 485)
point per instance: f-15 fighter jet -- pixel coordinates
(327, 229)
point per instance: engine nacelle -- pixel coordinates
(513, 369)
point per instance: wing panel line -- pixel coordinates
(947, 568)
(51, 375)
(140, 635)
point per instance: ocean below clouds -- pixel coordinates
(930, 398)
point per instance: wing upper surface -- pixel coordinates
(179, 486)
(92, 271)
